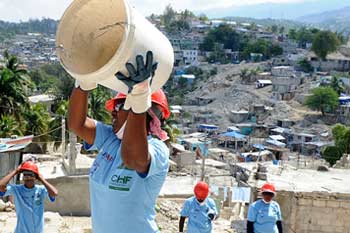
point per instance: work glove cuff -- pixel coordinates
(85, 86)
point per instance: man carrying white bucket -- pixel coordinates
(133, 160)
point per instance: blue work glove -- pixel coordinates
(139, 83)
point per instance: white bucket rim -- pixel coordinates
(121, 52)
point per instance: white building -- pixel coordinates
(190, 57)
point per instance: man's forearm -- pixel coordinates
(181, 224)
(50, 188)
(78, 121)
(4, 181)
(78, 107)
(134, 144)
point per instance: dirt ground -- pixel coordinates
(167, 220)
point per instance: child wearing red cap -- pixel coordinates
(200, 210)
(29, 197)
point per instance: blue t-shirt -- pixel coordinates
(122, 200)
(264, 216)
(198, 220)
(29, 207)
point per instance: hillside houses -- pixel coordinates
(33, 49)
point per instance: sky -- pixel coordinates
(22, 10)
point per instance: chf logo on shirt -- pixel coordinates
(120, 182)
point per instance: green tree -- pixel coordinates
(207, 44)
(337, 85)
(202, 17)
(323, 99)
(178, 25)
(14, 86)
(224, 34)
(218, 55)
(253, 27)
(54, 74)
(168, 15)
(282, 29)
(274, 28)
(37, 120)
(44, 82)
(187, 15)
(267, 48)
(341, 38)
(292, 34)
(341, 136)
(304, 36)
(331, 154)
(9, 126)
(305, 65)
(324, 43)
(182, 83)
(97, 100)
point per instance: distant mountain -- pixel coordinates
(335, 20)
(339, 14)
(279, 10)
(287, 24)
(44, 25)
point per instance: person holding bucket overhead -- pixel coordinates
(264, 215)
(29, 197)
(133, 160)
(200, 211)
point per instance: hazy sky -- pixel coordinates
(16, 10)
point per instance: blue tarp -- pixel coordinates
(208, 127)
(179, 72)
(233, 135)
(344, 99)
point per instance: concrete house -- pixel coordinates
(284, 88)
(335, 61)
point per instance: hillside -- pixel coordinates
(335, 20)
(228, 93)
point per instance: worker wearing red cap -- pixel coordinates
(264, 215)
(29, 197)
(133, 160)
(200, 211)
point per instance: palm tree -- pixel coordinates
(9, 126)
(37, 123)
(97, 100)
(14, 83)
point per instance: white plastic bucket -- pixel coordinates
(96, 38)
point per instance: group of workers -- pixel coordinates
(130, 169)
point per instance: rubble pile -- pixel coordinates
(6, 207)
(168, 213)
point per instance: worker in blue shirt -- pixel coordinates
(264, 215)
(29, 197)
(133, 160)
(200, 211)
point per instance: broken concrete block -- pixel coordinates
(2, 205)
